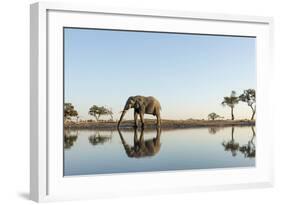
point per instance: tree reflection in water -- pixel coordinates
(70, 136)
(214, 130)
(99, 139)
(141, 147)
(231, 145)
(249, 150)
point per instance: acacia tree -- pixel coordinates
(69, 111)
(249, 97)
(231, 101)
(97, 111)
(110, 113)
(213, 116)
(77, 118)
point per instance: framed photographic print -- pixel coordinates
(127, 102)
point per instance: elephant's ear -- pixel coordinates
(139, 104)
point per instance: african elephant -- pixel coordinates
(141, 147)
(142, 105)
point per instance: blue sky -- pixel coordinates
(188, 74)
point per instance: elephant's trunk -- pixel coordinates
(121, 118)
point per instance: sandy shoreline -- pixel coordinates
(166, 124)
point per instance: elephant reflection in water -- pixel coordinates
(249, 150)
(98, 138)
(231, 145)
(141, 147)
(69, 138)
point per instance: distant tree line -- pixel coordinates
(96, 111)
(213, 116)
(69, 111)
(248, 96)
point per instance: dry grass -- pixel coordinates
(165, 124)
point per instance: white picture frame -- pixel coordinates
(46, 179)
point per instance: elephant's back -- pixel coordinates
(154, 100)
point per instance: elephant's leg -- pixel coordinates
(135, 137)
(157, 141)
(142, 119)
(141, 137)
(158, 120)
(136, 119)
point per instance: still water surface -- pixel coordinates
(102, 152)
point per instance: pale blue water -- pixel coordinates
(102, 152)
